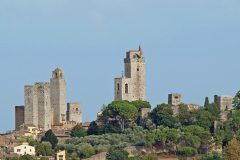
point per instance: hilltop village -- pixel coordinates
(49, 127)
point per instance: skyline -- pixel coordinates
(194, 54)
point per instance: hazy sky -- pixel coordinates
(191, 47)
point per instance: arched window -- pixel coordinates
(61, 75)
(118, 86)
(56, 75)
(126, 88)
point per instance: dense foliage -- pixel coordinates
(50, 137)
(187, 133)
(78, 131)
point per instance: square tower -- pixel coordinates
(44, 105)
(58, 97)
(19, 116)
(74, 113)
(133, 80)
(225, 103)
(174, 99)
(31, 105)
(37, 110)
(123, 90)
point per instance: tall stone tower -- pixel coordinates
(58, 96)
(131, 86)
(37, 110)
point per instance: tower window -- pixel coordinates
(56, 75)
(126, 88)
(137, 69)
(118, 87)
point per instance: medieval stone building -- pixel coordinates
(131, 86)
(38, 110)
(74, 113)
(225, 106)
(58, 96)
(19, 116)
(45, 103)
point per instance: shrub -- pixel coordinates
(187, 152)
(117, 155)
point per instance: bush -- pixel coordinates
(85, 150)
(50, 137)
(150, 157)
(211, 156)
(26, 157)
(78, 131)
(117, 155)
(187, 152)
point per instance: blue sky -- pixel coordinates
(191, 47)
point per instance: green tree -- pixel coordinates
(206, 103)
(112, 126)
(204, 119)
(117, 155)
(150, 139)
(167, 138)
(26, 157)
(163, 115)
(236, 100)
(214, 110)
(85, 150)
(192, 140)
(197, 131)
(234, 121)
(50, 137)
(211, 156)
(121, 111)
(44, 149)
(232, 151)
(94, 129)
(187, 151)
(78, 131)
(141, 104)
(184, 116)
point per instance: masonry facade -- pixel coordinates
(74, 113)
(19, 116)
(38, 110)
(58, 96)
(45, 103)
(131, 86)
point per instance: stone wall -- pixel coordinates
(100, 156)
(37, 110)
(133, 79)
(74, 113)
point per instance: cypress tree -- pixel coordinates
(50, 137)
(206, 103)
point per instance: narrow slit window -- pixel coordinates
(126, 88)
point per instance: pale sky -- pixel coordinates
(191, 47)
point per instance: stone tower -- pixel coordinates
(58, 96)
(74, 113)
(131, 86)
(37, 110)
(174, 99)
(31, 105)
(19, 116)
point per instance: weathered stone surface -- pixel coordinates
(74, 113)
(58, 96)
(132, 85)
